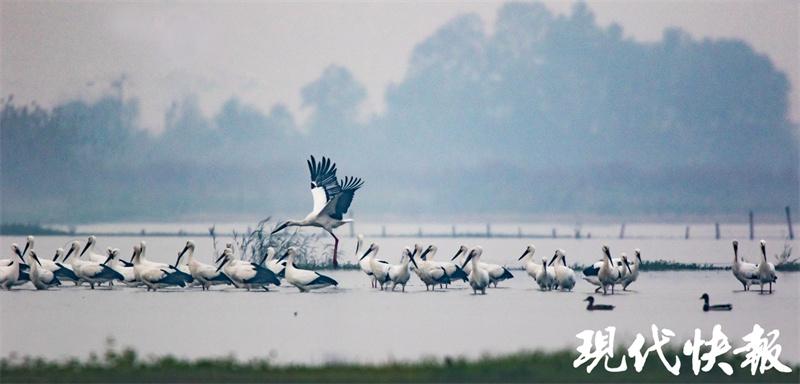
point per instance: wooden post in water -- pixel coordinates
(716, 227)
(789, 222)
(488, 230)
(686, 235)
(752, 232)
(622, 231)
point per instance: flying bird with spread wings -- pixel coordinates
(332, 198)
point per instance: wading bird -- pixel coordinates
(41, 277)
(247, 275)
(634, 270)
(23, 276)
(304, 279)
(9, 273)
(565, 276)
(91, 254)
(152, 274)
(205, 274)
(766, 270)
(608, 273)
(23, 266)
(364, 262)
(92, 272)
(453, 271)
(531, 266)
(278, 267)
(126, 270)
(478, 277)
(61, 271)
(331, 197)
(746, 273)
(379, 268)
(617, 267)
(171, 269)
(428, 272)
(497, 273)
(717, 307)
(597, 307)
(399, 273)
(545, 278)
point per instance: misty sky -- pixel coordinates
(265, 52)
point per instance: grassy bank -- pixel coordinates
(126, 366)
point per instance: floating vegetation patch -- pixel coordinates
(314, 250)
(663, 265)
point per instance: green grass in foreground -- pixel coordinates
(126, 366)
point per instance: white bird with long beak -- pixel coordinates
(590, 273)
(171, 269)
(399, 273)
(766, 270)
(364, 262)
(304, 279)
(332, 199)
(609, 274)
(497, 273)
(152, 274)
(72, 262)
(247, 275)
(278, 267)
(629, 278)
(9, 273)
(90, 253)
(531, 266)
(454, 272)
(205, 274)
(41, 277)
(60, 271)
(24, 269)
(127, 272)
(380, 268)
(565, 276)
(545, 278)
(430, 273)
(746, 273)
(624, 268)
(478, 277)
(94, 273)
(22, 255)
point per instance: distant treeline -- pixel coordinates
(549, 114)
(16, 229)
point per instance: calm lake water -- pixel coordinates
(357, 323)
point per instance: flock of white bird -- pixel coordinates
(87, 266)
(84, 265)
(466, 265)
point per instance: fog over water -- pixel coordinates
(542, 114)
